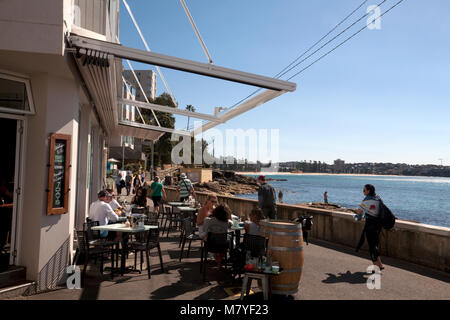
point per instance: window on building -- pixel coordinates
(127, 141)
(15, 95)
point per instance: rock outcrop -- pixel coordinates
(228, 183)
(327, 206)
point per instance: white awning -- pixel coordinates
(99, 73)
(97, 78)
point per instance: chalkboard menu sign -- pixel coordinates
(58, 174)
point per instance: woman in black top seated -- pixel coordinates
(218, 222)
(140, 198)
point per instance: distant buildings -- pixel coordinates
(147, 78)
(339, 166)
(123, 148)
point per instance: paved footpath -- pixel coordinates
(330, 272)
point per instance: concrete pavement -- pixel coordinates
(330, 272)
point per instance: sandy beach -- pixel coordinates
(312, 174)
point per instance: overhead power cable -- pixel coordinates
(340, 44)
(326, 43)
(318, 41)
(279, 74)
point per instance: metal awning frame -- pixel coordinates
(167, 109)
(154, 128)
(162, 60)
(275, 87)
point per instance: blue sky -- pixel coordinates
(381, 97)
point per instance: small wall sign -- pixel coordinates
(59, 174)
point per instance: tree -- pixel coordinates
(163, 146)
(190, 108)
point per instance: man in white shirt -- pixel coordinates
(101, 211)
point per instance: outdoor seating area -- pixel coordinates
(159, 243)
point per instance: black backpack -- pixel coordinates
(387, 218)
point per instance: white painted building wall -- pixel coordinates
(32, 44)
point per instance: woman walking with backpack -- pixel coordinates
(370, 210)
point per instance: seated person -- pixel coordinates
(206, 211)
(255, 217)
(140, 199)
(102, 212)
(114, 204)
(218, 222)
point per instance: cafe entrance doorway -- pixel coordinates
(10, 133)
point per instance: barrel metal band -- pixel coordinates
(286, 249)
(278, 226)
(279, 233)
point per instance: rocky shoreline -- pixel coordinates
(327, 206)
(229, 183)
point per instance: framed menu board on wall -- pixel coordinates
(59, 174)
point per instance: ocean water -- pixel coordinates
(420, 199)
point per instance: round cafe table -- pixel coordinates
(177, 204)
(126, 231)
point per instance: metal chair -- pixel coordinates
(146, 241)
(152, 220)
(173, 219)
(188, 235)
(88, 252)
(215, 243)
(95, 240)
(256, 245)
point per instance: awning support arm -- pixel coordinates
(157, 107)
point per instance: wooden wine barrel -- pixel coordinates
(286, 246)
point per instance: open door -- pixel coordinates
(9, 131)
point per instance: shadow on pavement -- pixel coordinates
(387, 261)
(348, 277)
(189, 280)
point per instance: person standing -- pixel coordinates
(128, 181)
(185, 188)
(325, 197)
(370, 210)
(157, 193)
(266, 198)
(119, 183)
(143, 177)
(280, 196)
(136, 182)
